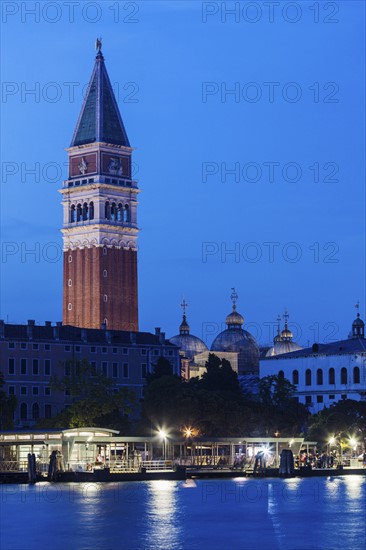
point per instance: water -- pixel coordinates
(238, 514)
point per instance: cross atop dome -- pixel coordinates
(234, 297)
(184, 306)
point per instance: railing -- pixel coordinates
(157, 465)
(13, 466)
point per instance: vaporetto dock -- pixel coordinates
(100, 454)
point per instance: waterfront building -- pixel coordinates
(324, 373)
(100, 230)
(30, 355)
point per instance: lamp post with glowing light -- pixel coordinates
(188, 433)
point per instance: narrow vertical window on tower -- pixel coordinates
(100, 156)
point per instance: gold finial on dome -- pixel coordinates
(184, 305)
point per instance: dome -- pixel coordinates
(282, 342)
(234, 319)
(237, 340)
(283, 347)
(190, 345)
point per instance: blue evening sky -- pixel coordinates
(293, 129)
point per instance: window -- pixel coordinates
(47, 391)
(35, 346)
(69, 306)
(67, 348)
(331, 376)
(11, 390)
(281, 374)
(77, 348)
(35, 367)
(308, 377)
(143, 351)
(105, 368)
(69, 282)
(23, 346)
(332, 397)
(47, 367)
(143, 370)
(93, 349)
(67, 392)
(47, 347)
(170, 352)
(125, 370)
(70, 259)
(35, 390)
(23, 411)
(356, 375)
(105, 298)
(115, 350)
(11, 345)
(47, 411)
(105, 273)
(308, 400)
(23, 390)
(11, 366)
(104, 350)
(344, 396)
(105, 251)
(125, 351)
(319, 399)
(295, 377)
(35, 411)
(115, 370)
(343, 375)
(91, 206)
(156, 352)
(319, 377)
(23, 366)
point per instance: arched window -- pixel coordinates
(85, 211)
(72, 214)
(331, 376)
(107, 211)
(356, 375)
(343, 375)
(113, 212)
(23, 411)
(281, 374)
(79, 213)
(35, 411)
(127, 214)
(91, 210)
(319, 377)
(308, 377)
(295, 376)
(120, 213)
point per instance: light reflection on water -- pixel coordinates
(240, 514)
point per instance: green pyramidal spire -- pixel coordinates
(100, 119)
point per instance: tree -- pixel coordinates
(219, 376)
(8, 405)
(94, 400)
(346, 418)
(162, 368)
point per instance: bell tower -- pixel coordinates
(99, 201)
